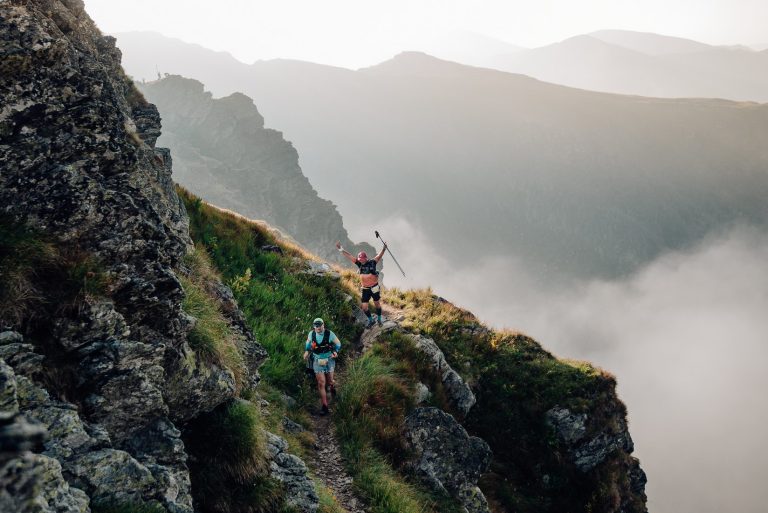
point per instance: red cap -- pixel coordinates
(362, 255)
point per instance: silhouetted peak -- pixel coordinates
(415, 63)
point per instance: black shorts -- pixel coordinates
(368, 293)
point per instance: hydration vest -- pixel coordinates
(369, 267)
(325, 345)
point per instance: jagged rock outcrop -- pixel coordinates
(586, 451)
(29, 483)
(79, 165)
(224, 154)
(458, 391)
(290, 470)
(446, 457)
(84, 451)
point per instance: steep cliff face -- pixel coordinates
(223, 153)
(94, 236)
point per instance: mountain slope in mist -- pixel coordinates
(572, 182)
(650, 43)
(222, 152)
(646, 64)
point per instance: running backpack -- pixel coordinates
(323, 347)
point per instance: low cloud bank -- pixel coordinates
(687, 338)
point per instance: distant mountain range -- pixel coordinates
(574, 183)
(222, 152)
(648, 65)
(616, 61)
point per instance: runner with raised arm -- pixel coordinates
(369, 278)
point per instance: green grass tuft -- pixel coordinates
(371, 408)
(211, 336)
(228, 464)
(125, 507)
(40, 278)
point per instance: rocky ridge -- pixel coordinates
(224, 154)
(105, 385)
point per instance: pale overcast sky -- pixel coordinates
(356, 33)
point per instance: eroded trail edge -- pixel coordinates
(328, 465)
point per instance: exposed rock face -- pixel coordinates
(422, 394)
(446, 457)
(458, 391)
(85, 453)
(224, 154)
(79, 164)
(29, 483)
(570, 427)
(292, 472)
(587, 452)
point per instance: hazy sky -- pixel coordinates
(355, 33)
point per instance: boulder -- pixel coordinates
(292, 427)
(446, 457)
(33, 483)
(422, 393)
(458, 391)
(290, 470)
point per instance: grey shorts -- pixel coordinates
(323, 368)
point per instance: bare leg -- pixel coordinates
(364, 306)
(321, 387)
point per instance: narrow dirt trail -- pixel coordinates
(328, 466)
(327, 462)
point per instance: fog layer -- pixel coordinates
(687, 336)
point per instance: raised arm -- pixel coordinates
(346, 253)
(381, 253)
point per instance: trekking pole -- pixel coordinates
(393, 256)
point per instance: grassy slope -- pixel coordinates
(515, 379)
(280, 303)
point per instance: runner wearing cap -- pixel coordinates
(369, 277)
(324, 346)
